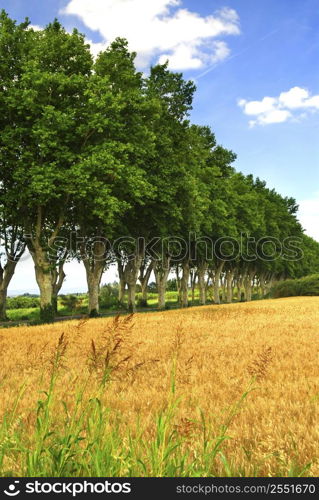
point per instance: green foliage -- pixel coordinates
(98, 148)
(71, 302)
(172, 285)
(22, 302)
(109, 296)
(308, 285)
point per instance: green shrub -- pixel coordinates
(108, 297)
(71, 302)
(309, 285)
(23, 302)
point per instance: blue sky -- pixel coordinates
(255, 64)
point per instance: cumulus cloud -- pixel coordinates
(35, 27)
(294, 104)
(160, 29)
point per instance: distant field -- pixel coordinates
(215, 390)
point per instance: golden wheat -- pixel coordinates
(216, 352)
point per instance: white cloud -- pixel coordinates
(258, 107)
(309, 216)
(294, 98)
(282, 108)
(35, 27)
(160, 29)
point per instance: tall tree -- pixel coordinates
(122, 144)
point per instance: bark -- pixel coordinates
(6, 274)
(131, 297)
(184, 284)
(178, 285)
(43, 262)
(229, 286)
(122, 283)
(241, 291)
(233, 289)
(144, 277)
(201, 271)
(248, 284)
(161, 271)
(58, 278)
(93, 277)
(210, 284)
(193, 276)
(14, 249)
(122, 286)
(94, 267)
(248, 288)
(43, 276)
(224, 288)
(131, 270)
(262, 285)
(217, 280)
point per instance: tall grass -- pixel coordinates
(89, 439)
(80, 423)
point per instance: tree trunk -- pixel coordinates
(241, 291)
(201, 271)
(58, 278)
(122, 283)
(161, 271)
(248, 284)
(216, 282)
(122, 286)
(43, 276)
(131, 270)
(131, 297)
(178, 285)
(6, 274)
(94, 267)
(93, 277)
(184, 283)
(224, 289)
(13, 252)
(144, 278)
(248, 288)
(3, 304)
(45, 259)
(229, 286)
(193, 275)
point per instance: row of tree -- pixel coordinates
(97, 149)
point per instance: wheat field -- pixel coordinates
(230, 390)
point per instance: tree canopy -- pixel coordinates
(96, 148)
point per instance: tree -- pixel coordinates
(13, 248)
(122, 144)
(44, 141)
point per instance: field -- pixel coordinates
(230, 390)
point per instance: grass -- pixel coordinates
(228, 391)
(33, 313)
(28, 313)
